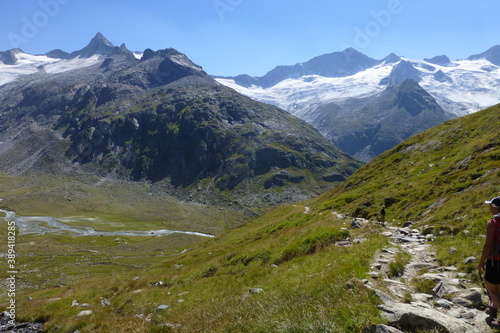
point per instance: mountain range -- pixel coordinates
(349, 96)
(156, 116)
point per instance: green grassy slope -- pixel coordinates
(439, 178)
(288, 254)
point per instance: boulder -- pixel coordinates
(475, 297)
(420, 297)
(255, 290)
(383, 296)
(420, 265)
(105, 302)
(469, 260)
(84, 313)
(410, 317)
(407, 224)
(343, 243)
(443, 289)
(463, 302)
(444, 303)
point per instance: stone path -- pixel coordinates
(455, 304)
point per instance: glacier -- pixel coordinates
(460, 87)
(27, 64)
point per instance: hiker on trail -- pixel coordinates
(490, 259)
(382, 216)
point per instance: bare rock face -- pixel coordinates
(358, 127)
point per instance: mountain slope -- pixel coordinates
(366, 127)
(439, 176)
(287, 270)
(160, 118)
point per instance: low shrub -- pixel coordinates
(397, 267)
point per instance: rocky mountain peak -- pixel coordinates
(414, 99)
(392, 58)
(403, 71)
(123, 52)
(58, 54)
(347, 62)
(99, 37)
(170, 57)
(492, 55)
(352, 52)
(440, 76)
(9, 57)
(336, 64)
(99, 45)
(441, 60)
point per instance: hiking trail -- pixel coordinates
(455, 304)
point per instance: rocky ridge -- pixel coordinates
(366, 127)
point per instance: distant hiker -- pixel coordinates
(490, 260)
(382, 215)
(355, 224)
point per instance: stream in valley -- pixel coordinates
(42, 225)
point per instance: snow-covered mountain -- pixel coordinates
(15, 63)
(365, 106)
(461, 87)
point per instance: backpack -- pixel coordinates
(495, 253)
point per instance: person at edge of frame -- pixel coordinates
(490, 260)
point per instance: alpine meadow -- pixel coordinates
(282, 271)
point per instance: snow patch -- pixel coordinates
(68, 65)
(184, 61)
(30, 64)
(26, 64)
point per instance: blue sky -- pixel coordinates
(230, 37)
